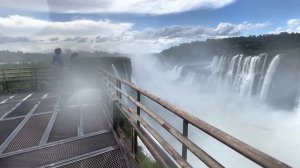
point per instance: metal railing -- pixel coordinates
(139, 128)
(26, 77)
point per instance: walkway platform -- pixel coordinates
(38, 130)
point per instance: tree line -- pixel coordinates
(251, 45)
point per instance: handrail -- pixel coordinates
(41, 67)
(30, 74)
(150, 145)
(244, 149)
(202, 155)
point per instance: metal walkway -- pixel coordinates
(36, 131)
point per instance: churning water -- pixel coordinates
(229, 98)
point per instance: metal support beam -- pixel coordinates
(185, 132)
(138, 111)
(116, 115)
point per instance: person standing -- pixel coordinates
(57, 66)
(57, 60)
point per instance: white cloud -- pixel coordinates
(238, 29)
(16, 25)
(293, 25)
(105, 35)
(199, 32)
(115, 6)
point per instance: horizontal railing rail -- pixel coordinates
(242, 148)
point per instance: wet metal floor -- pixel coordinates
(39, 129)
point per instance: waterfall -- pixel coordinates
(176, 72)
(268, 77)
(250, 69)
(232, 67)
(127, 77)
(217, 68)
(248, 75)
(115, 71)
(239, 72)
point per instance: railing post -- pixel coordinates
(116, 117)
(133, 137)
(120, 87)
(35, 79)
(31, 80)
(185, 131)
(4, 81)
(116, 114)
(138, 111)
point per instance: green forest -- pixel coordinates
(283, 43)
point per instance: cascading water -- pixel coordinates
(247, 76)
(244, 74)
(270, 130)
(115, 71)
(217, 68)
(268, 78)
(176, 72)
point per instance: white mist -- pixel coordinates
(275, 132)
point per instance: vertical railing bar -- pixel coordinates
(35, 78)
(32, 79)
(133, 136)
(185, 131)
(138, 111)
(4, 79)
(115, 118)
(120, 87)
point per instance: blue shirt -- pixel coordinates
(57, 61)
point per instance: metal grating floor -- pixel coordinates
(111, 159)
(94, 120)
(55, 153)
(23, 109)
(6, 107)
(30, 134)
(46, 105)
(65, 125)
(49, 135)
(7, 127)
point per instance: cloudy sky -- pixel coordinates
(137, 25)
